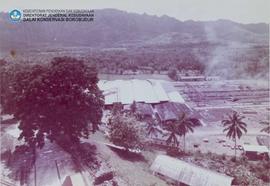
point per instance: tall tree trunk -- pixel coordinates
(35, 168)
(235, 148)
(184, 142)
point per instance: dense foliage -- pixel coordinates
(179, 127)
(125, 131)
(61, 98)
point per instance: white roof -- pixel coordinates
(188, 173)
(147, 91)
(255, 148)
(175, 97)
(74, 180)
(161, 94)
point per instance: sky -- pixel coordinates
(243, 11)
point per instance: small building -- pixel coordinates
(213, 78)
(187, 174)
(192, 78)
(143, 110)
(256, 152)
(170, 111)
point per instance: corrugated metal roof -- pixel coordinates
(172, 111)
(160, 92)
(165, 112)
(144, 109)
(172, 93)
(147, 91)
(188, 173)
(255, 148)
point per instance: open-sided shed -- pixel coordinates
(172, 111)
(254, 152)
(144, 91)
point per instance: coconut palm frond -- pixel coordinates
(234, 126)
(267, 126)
(226, 122)
(266, 129)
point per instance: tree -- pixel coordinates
(125, 131)
(60, 98)
(153, 128)
(266, 126)
(117, 108)
(173, 74)
(185, 125)
(8, 73)
(234, 126)
(173, 134)
(133, 107)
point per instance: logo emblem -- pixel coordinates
(15, 15)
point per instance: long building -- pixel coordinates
(187, 173)
(143, 91)
(154, 98)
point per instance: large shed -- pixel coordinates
(144, 91)
(187, 173)
(172, 111)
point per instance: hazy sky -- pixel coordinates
(245, 11)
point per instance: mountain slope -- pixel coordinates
(113, 28)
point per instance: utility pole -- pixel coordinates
(35, 168)
(58, 172)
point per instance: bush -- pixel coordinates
(172, 151)
(233, 159)
(265, 177)
(198, 152)
(266, 164)
(175, 152)
(223, 156)
(243, 159)
(236, 181)
(173, 74)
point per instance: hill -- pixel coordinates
(149, 41)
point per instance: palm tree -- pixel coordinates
(173, 134)
(153, 128)
(185, 125)
(234, 126)
(267, 127)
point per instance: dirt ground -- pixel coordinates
(132, 172)
(136, 172)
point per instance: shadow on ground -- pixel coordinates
(20, 163)
(82, 154)
(127, 155)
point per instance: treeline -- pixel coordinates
(153, 61)
(194, 59)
